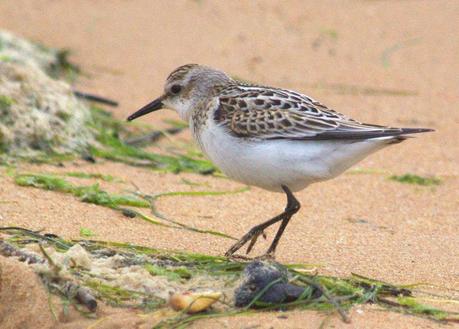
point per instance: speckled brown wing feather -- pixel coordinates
(265, 113)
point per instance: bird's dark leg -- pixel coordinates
(292, 207)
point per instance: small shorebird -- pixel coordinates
(276, 139)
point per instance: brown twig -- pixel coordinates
(95, 98)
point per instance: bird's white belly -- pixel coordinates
(271, 163)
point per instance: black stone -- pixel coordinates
(258, 275)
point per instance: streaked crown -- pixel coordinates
(192, 83)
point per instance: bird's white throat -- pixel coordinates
(182, 106)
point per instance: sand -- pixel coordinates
(361, 223)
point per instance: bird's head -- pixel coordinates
(184, 88)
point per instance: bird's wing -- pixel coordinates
(269, 113)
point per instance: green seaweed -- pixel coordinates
(155, 197)
(62, 67)
(49, 158)
(161, 271)
(118, 151)
(95, 195)
(339, 294)
(90, 194)
(414, 307)
(156, 213)
(5, 103)
(117, 296)
(3, 145)
(416, 180)
(5, 58)
(64, 116)
(112, 147)
(46, 182)
(86, 232)
(110, 134)
(331, 33)
(78, 174)
(183, 320)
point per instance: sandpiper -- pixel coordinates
(276, 139)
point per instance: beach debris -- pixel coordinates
(8, 250)
(416, 180)
(267, 283)
(78, 257)
(44, 120)
(81, 294)
(95, 98)
(17, 50)
(40, 115)
(194, 301)
(148, 279)
(51, 275)
(53, 62)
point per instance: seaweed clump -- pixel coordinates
(39, 115)
(90, 194)
(127, 275)
(16, 50)
(42, 119)
(416, 180)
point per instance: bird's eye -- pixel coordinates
(175, 89)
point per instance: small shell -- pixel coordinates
(193, 302)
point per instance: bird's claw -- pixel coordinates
(254, 240)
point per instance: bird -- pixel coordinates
(276, 139)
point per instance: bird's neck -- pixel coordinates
(192, 106)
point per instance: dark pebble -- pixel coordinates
(128, 213)
(258, 275)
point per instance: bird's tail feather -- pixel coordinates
(404, 134)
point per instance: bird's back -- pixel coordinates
(272, 113)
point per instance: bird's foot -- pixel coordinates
(265, 257)
(269, 256)
(251, 236)
(254, 240)
(239, 258)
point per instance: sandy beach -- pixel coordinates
(385, 62)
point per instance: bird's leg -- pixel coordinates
(253, 234)
(254, 240)
(292, 207)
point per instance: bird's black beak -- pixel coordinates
(157, 104)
